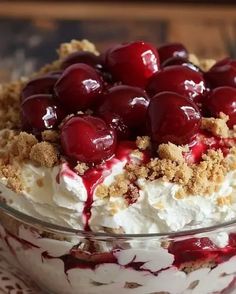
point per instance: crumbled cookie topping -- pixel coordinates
(171, 151)
(143, 142)
(81, 168)
(216, 126)
(44, 154)
(22, 145)
(50, 136)
(75, 45)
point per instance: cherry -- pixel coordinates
(178, 79)
(222, 99)
(172, 50)
(88, 139)
(40, 112)
(82, 57)
(132, 63)
(115, 122)
(129, 103)
(172, 118)
(223, 73)
(78, 87)
(41, 85)
(180, 61)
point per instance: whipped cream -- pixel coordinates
(59, 195)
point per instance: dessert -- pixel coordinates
(131, 141)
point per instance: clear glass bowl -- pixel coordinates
(62, 260)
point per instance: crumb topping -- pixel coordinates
(143, 142)
(81, 168)
(22, 145)
(50, 136)
(171, 151)
(44, 154)
(216, 126)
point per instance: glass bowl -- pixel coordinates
(66, 261)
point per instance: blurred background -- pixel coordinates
(30, 31)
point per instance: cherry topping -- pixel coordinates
(40, 112)
(129, 103)
(88, 139)
(172, 118)
(223, 73)
(172, 50)
(180, 61)
(82, 57)
(132, 63)
(78, 87)
(222, 99)
(41, 85)
(178, 79)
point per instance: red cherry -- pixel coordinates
(115, 122)
(82, 57)
(130, 103)
(222, 99)
(178, 79)
(41, 85)
(223, 73)
(172, 118)
(88, 139)
(172, 50)
(40, 112)
(78, 87)
(180, 61)
(132, 63)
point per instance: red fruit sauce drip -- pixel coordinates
(94, 176)
(205, 141)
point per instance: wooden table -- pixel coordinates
(30, 31)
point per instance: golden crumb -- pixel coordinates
(102, 191)
(50, 136)
(22, 145)
(171, 151)
(39, 182)
(75, 45)
(12, 174)
(54, 66)
(222, 201)
(206, 64)
(119, 187)
(81, 168)
(216, 126)
(44, 154)
(6, 137)
(194, 59)
(143, 142)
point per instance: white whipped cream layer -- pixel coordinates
(58, 196)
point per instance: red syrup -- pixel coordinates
(95, 176)
(205, 141)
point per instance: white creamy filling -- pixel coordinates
(58, 195)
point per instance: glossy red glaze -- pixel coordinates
(222, 99)
(169, 50)
(88, 139)
(172, 118)
(41, 85)
(78, 87)
(41, 112)
(125, 102)
(132, 63)
(178, 79)
(223, 73)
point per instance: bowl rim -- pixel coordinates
(53, 228)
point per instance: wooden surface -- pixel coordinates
(30, 31)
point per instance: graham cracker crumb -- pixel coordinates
(143, 142)
(12, 173)
(50, 136)
(216, 126)
(67, 48)
(206, 64)
(53, 66)
(171, 151)
(222, 201)
(131, 285)
(23, 144)
(191, 266)
(44, 154)
(119, 187)
(81, 168)
(102, 191)
(194, 59)
(6, 137)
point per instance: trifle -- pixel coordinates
(118, 171)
